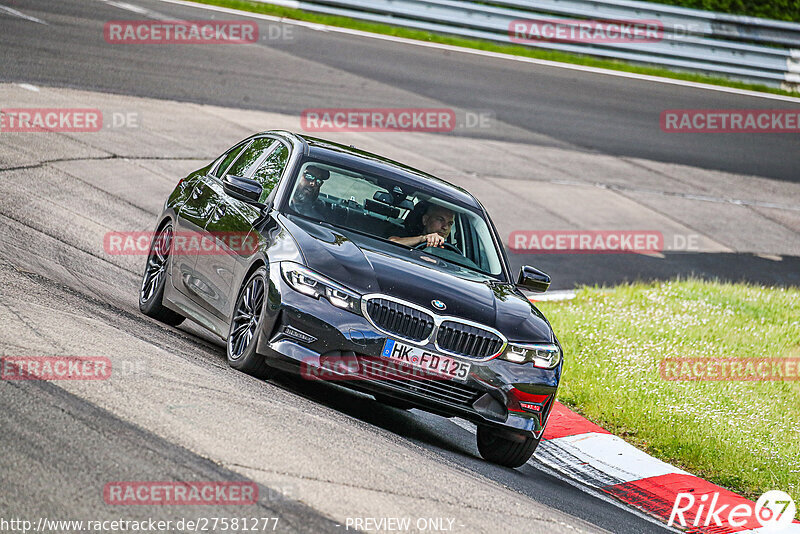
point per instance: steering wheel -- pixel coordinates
(450, 246)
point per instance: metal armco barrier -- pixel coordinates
(749, 49)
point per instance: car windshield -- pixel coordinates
(394, 211)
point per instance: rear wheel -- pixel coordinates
(509, 450)
(246, 327)
(155, 278)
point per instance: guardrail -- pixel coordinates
(743, 48)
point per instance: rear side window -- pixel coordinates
(229, 157)
(270, 170)
(247, 161)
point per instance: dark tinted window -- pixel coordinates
(269, 171)
(390, 209)
(245, 163)
(229, 157)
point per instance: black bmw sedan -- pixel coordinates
(316, 258)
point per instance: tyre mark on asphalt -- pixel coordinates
(400, 494)
(410, 444)
(31, 326)
(66, 244)
(47, 162)
(100, 310)
(119, 450)
(45, 200)
(770, 218)
(70, 265)
(119, 199)
(111, 155)
(687, 196)
(89, 311)
(91, 308)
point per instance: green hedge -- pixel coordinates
(771, 9)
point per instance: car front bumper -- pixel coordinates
(315, 339)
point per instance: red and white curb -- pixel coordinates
(583, 451)
(587, 453)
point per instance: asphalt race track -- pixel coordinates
(562, 150)
(573, 128)
(308, 69)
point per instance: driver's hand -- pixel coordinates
(433, 240)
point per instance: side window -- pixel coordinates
(246, 162)
(228, 158)
(472, 245)
(269, 171)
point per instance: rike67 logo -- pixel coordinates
(773, 512)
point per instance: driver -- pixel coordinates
(436, 224)
(305, 200)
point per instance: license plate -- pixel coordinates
(444, 366)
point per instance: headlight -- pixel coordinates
(313, 284)
(544, 355)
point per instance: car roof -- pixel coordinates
(350, 156)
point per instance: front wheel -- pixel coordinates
(154, 279)
(509, 450)
(246, 327)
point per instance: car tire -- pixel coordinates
(154, 279)
(505, 449)
(245, 327)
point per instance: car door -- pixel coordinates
(230, 223)
(191, 221)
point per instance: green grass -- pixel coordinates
(515, 50)
(744, 436)
(774, 9)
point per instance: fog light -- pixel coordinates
(298, 334)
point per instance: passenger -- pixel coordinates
(305, 199)
(436, 224)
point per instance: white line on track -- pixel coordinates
(137, 9)
(497, 55)
(21, 15)
(29, 87)
(558, 294)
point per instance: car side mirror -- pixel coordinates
(244, 189)
(533, 279)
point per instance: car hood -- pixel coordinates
(368, 265)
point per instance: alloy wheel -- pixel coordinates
(156, 268)
(246, 318)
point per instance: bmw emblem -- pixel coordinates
(438, 304)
